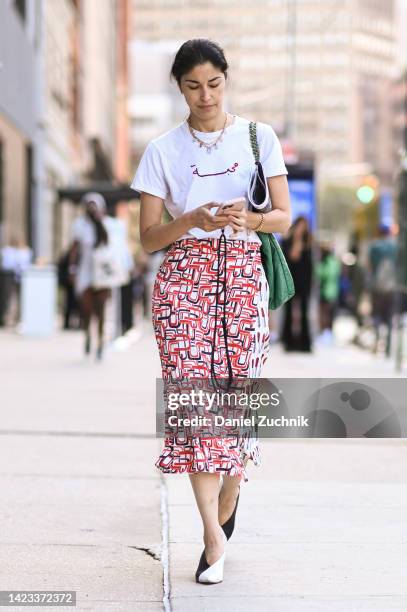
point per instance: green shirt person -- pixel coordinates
(328, 271)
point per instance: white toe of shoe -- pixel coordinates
(214, 573)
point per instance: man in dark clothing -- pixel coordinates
(70, 305)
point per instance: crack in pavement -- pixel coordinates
(147, 551)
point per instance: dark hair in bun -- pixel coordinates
(195, 52)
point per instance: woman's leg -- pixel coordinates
(305, 331)
(206, 490)
(100, 298)
(228, 497)
(287, 335)
(325, 315)
(86, 305)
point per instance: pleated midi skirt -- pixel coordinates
(183, 316)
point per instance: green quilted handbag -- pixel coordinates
(280, 281)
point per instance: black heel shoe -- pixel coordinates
(229, 526)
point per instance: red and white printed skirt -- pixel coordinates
(183, 316)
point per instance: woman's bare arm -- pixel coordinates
(73, 258)
(279, 219)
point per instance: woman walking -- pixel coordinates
(89, 231)
(297, 248)
(328, 272)
(192, 169)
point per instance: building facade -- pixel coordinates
(19, 55)
(320, 72)
(63, 90)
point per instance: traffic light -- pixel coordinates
(368, 189)
(366, 213)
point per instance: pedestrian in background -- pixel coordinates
(92, 229)
(328, 273)
(15, 258)
(382, 270)
(352, 286)
(70, 306)
(297, 248)
(140, 286)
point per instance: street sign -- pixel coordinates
(302, 196)
(386, 216)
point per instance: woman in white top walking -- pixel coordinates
(90, 230)
(191, 170)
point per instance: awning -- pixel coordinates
(112, 192)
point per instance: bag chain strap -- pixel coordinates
(223, 318)
(253, 141)
(255, 149)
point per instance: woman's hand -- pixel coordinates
(296, 248)
(238, 217)
(201, 217)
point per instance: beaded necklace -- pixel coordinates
(211, 145)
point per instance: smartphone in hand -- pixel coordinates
(236, 203)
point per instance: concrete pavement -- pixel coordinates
(321, 523)
(81, 502)
(321, 526)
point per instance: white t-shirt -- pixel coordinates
(15, 259)
(175, 168)
(83, 230)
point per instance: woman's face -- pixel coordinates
(203, 88)
(301, 227)
(93, 210)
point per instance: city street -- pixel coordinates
(155, 157)
(320, 525)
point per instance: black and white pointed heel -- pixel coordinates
(229, 526)
(210, 574)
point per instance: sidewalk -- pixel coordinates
(320, 525)
(81, 502)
